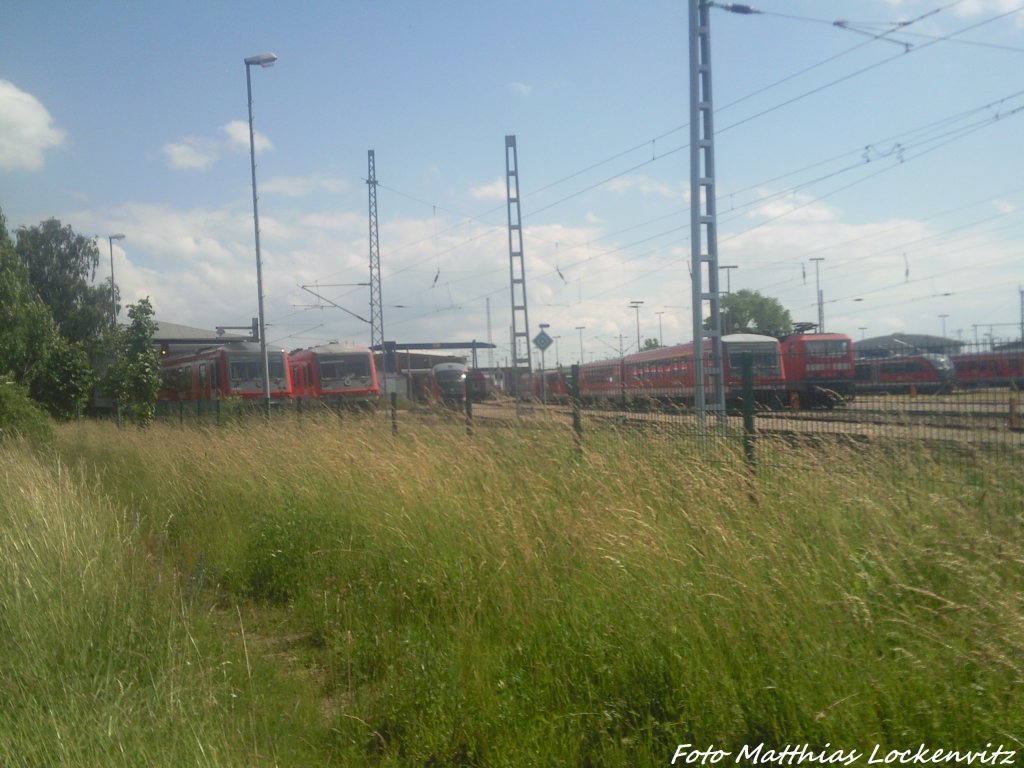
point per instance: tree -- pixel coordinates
(134, 376)
(60, 267)
(27, 330)
(745, 311)
(649, 344)
(66, 380)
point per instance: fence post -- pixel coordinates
(394, 413)
(574, 396)
(748, 409)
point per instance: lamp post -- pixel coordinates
(113, 285)
(943, 318)
(263, 60)
(817, 285)
(661, 335)
(581, 329)
(635, 304)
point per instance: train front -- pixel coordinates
(449, 383)
(245, 372)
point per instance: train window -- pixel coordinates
(828, 348)
(342, 367)
(244, 369)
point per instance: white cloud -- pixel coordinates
(494, 191)
(191, 153)
(520, 88)
(301, 186)
(198, 153)
(26, 130)
(237, 132)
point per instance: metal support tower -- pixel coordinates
(709, 386)
(490, 352)
(516, 266)
(376, 305)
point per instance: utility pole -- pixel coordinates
(661, 336)
(376, 305)
(581, 329)
(728, 276)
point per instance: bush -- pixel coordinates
(20, 417)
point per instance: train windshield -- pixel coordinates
(827, 348)
(450, 377)
(766, 361)
(346, 367)
(252, 369)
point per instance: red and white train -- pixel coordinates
(666, 374)
(926, 373)
(989, 369)
(335, 374)
(234, 369)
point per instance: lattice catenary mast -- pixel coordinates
(516, 266)
(376, 305)
(703, 221)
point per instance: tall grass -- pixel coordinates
(435, 600)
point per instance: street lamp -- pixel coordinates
(943, 318)
(113, 285)
(581, 329)
(263, 60)
(661, 335)
(635, 304)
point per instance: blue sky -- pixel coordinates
(890, 149)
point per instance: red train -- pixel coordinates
(547, 386)
(335, 374)
(448, 383)
(819, 368)
(234, 369)
(989, 369)
(480, 386)
(924, 373)
(666, 374)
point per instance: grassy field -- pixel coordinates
(324, 593)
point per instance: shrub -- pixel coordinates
(20, 417)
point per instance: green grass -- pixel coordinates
(326, 593)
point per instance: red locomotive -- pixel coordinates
(989, 369)
(335, 374)
(234, 369)
(819, 368)
(666, 373)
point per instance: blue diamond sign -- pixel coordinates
(542, 341)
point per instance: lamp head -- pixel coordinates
(263, 59)
(118, 236)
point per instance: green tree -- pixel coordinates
(27, 330)
(61, 266)
(747, 311)
(134, 376)
(66, 381)
(649, 344)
